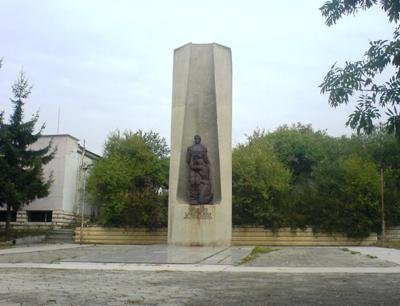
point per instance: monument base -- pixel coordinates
(200, 225)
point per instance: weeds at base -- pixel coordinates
(257, 251)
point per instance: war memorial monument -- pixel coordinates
(200, 181)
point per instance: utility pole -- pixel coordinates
(83, 168)
(58, 121)
(382, 185)
(383, 208)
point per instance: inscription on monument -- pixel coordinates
(199, 173)
(198, 213)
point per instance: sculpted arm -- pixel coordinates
(189, 156)
(205, 156)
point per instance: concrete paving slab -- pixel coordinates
(317, 257)
(285, 257)
(229, 256)
(392, 255)
(155, 254)
(152, 254)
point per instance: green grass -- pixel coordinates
(351, 252)
(5, 245)
(355, 253)
(134, 301)
(255, 252)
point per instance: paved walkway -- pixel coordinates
(306, 260)
(165, 275)
(40, 248)
(391, 255)
(82, 266)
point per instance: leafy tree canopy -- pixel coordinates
(128, 183)
(298, 177)
(361, 78)
(258, 176)
(347, 197)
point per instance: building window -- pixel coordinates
(40, 216)
(3, 216)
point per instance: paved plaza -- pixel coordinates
(165, 275)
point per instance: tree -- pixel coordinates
(361, 78)
(129, 183)
(300, 149)
(21, 178)
(347, 197)
(258, 178)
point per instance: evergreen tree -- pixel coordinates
(21, 175)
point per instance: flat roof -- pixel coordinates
(80, 148)
(60, 135)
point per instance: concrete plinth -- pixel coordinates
(202, 104)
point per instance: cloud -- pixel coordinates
(108, 64)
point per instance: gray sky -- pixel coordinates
(108, 64)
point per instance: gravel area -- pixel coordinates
(69, 287)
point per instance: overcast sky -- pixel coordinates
(108, 64)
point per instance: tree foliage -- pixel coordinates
(258, 176)
(297, 177)
(361, 78)
(347, 198)
(129, 182)
(21, 175)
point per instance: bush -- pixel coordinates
(129, 183)
(258, 178)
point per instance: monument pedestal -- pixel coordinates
(202, 105)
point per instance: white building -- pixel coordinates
(63, 206)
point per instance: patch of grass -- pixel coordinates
(351, 252)
(5, 245)
(134, 301)
(255, 252)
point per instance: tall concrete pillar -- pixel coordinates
(202, 105)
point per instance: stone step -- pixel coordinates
(59, 241)
(61, 236)
(63, 230)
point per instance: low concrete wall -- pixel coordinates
(103, 235)
(240, 236)
(286, 236)
(392, 233)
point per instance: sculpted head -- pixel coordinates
(197, 139)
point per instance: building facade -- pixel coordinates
(66, 201)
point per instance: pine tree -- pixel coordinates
(21, 175)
